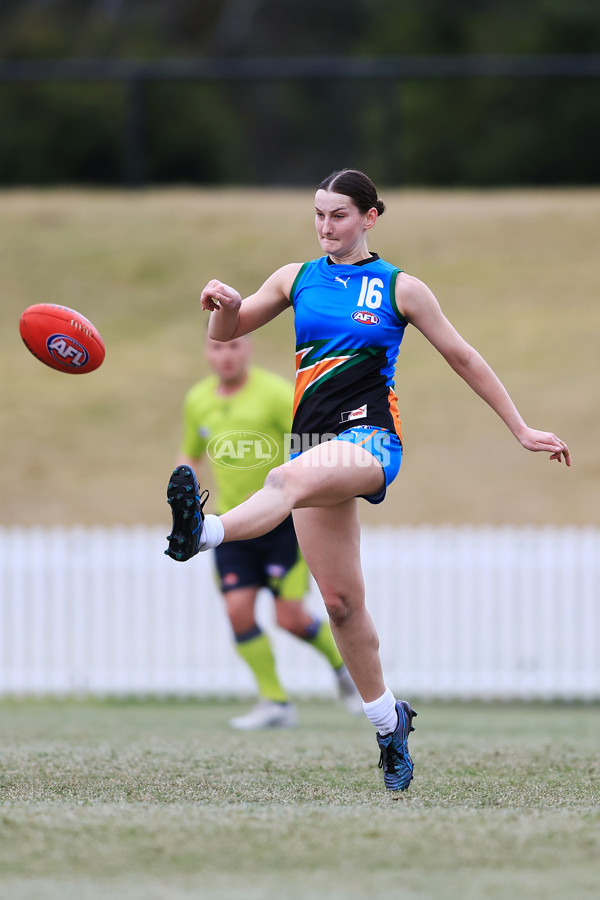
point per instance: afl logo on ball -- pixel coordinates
(365, 318)
(66, 350)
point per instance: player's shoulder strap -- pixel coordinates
(395, 272)
(296, 281)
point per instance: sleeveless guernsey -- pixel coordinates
(348, 333)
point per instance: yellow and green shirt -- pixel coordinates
(242, 433)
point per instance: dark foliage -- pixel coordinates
(435, 130)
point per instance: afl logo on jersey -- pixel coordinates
(365, 318)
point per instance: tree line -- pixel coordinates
(479, 130)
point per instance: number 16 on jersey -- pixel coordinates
(370, 293)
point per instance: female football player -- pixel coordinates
(351, 310)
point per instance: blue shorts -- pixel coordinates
(384, 445)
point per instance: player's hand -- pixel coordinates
(217, 295)
(545, 441)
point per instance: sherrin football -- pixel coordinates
(61, 338)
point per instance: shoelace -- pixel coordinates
(198, 517)
(386, 760)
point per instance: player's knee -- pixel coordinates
(338, 606)
(282, 479)
(276, 479)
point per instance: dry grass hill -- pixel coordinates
(517, 273)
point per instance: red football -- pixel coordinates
(61, 338)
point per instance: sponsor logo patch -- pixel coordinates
(365, 318)
(352, 414)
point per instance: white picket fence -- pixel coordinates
(461, 612)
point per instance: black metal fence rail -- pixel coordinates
(135, 74)
(266, 68)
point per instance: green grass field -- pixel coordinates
(158, 800)
(517, 273)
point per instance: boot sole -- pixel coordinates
(182, 497)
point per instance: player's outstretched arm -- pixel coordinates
(232, 317)
(419, 306)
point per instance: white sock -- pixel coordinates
(212, 532)
(382, 712)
